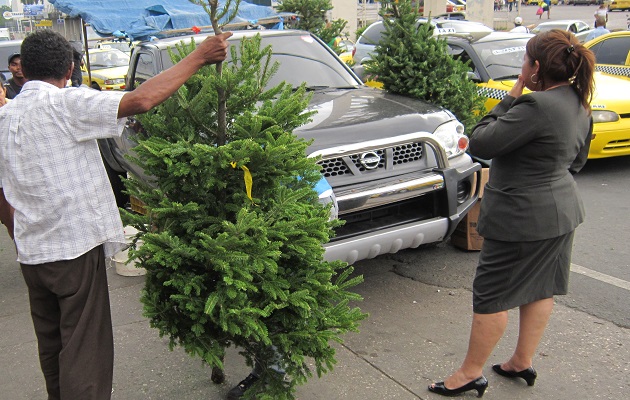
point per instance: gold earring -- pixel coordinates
(531, 78)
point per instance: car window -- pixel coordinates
(108, 59)
(612, 51)
(582, 26)
(502, 58)
(145, 68)
(301, 59)
(462, 55)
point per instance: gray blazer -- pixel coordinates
(536, 143)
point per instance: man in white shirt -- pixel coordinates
(600, 29)
(55, 192)
(518, 26)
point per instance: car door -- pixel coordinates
(613, 55)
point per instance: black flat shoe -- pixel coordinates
(480, 385)
(528, 374)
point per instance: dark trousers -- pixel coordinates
(72, 319)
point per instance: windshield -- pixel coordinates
(302, 59)
(502, 59)
(108, 59)
(548, 27)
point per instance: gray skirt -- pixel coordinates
(511, 274)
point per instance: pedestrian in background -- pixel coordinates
(600, 29)
(510, 3)
(601, 12)
(65, 219)
(519, 27)
(531, 205)
(546, 7)
(77, 59)
(14, 85)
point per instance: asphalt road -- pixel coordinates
(616, 20)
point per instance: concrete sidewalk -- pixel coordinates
(416, 333)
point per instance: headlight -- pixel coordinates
(604, 116)
(116, 81)
(451, 137)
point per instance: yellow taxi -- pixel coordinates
(108, 68)
(618, 5)
(612, 52)
(496, 61)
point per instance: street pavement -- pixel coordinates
(416, 334)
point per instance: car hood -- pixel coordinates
(348, 116)
(111, 73)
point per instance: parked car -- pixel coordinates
(579, 28)
(618, 5)
(108, 68)
(496, 61)
(372, 34)
(612, 53)
(397, 166)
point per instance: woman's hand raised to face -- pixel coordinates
(518, 87)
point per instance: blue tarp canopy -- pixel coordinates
(141, 19)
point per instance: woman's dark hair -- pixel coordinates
(46, 55)
(562, 58)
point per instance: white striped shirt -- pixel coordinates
(52, 172)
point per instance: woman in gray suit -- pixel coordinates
(531, 204)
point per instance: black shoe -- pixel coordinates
(528, 374)
(237, 391)
(480, 385)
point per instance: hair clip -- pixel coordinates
(570, 49)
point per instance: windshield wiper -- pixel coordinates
(506, 77)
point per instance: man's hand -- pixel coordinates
(214, 48)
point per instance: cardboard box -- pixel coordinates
(485, 174)
(466, 236)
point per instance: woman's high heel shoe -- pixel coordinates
(528, 374)
(480, 385)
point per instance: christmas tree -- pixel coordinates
(410, 61)
(233, 230)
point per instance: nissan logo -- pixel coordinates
(370, 160)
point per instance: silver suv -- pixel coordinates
(397, 166)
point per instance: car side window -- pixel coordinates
(145, 69)
(612, 51)
(462, 55)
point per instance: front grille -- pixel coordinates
(618, 144)
(395, 155)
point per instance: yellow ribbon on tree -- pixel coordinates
(248, 179)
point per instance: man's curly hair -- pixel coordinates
(45, 55)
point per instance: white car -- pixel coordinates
(370, 37)
(579, 28)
